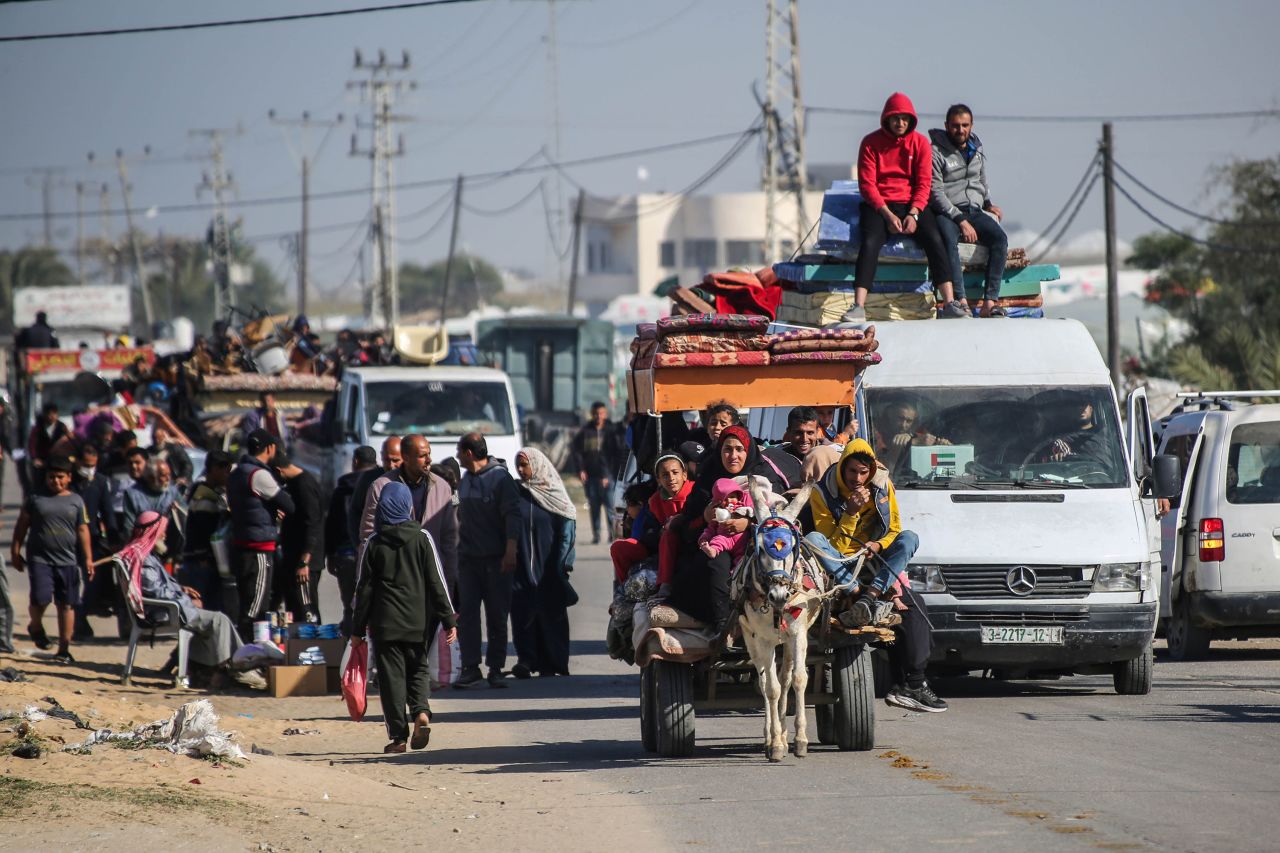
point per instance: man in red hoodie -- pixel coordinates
(895, 171)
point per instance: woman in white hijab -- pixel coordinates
(541, 592)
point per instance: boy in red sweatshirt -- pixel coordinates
(895, 172)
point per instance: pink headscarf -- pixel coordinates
(147, 531)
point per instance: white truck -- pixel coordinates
(441, 403)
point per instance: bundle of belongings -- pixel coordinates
(718, 340)
(818, 288)
(738, 291)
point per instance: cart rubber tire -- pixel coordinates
(648, 712)
(855, 709)
(1133, 677)
(1187, 641)
(673, 704)
(825, 714)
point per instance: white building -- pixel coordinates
(631, 243)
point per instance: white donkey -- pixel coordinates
(780, 593)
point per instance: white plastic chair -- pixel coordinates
(172, 628)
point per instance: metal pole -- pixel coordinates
(302, 238)
(1113, 291)
(453, 245)
(80, 232)
(384, 281)
(147, 315)
(573, 255)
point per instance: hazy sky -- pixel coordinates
(632, 74)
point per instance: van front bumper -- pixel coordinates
(1235, 609)
(1092, 634)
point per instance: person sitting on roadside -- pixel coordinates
(854, 509)
(895, 173)
(898, 429)
(962, 202)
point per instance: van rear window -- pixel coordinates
(1253, 464)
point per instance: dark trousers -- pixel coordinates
(909, 655)
(343, 567)
(301, 598)
(481, 581)
(253, 587)
(990, 234)
(875, 233)
(404, 680)
(700, 586)
(598, 495)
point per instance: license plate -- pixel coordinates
(1043, 635)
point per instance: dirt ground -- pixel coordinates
(329, 788)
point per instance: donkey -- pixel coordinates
(780, 593)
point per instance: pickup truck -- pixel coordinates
(441, 403)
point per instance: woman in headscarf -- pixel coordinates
(700, 585)
(541, 594)
(401, 600)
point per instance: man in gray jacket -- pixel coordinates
(963, 204)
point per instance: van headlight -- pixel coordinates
(926, 578)
(1118, 577)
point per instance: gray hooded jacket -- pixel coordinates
(957, 180)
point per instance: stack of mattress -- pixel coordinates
(702, 340)
(848, 345)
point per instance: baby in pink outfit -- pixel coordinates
(730, 501)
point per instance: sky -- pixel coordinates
(631, 75)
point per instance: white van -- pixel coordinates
(1220, 543)
(441, 403)
(1034, 506)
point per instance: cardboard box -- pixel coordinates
(285, 681)
(332, 649)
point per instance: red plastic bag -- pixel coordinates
(355, 675)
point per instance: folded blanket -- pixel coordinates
(744, 292)
(714, 342)
(710, 359)
(646, 331)
(826, 355)
(691, 302)
(823, 335)
(819, 345)
(639, 346)
(907, 306)
(711, 323)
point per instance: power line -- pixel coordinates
(1222, 247)
(1077, 119)
(206, 25)
(502, 211)
(435, 226)
(1070, 219)
(1256, 223)
(1088, 172)
(638, 34)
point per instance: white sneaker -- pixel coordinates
(251, 678)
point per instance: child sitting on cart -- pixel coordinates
(730, 501)
(673, 488)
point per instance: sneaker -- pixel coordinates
(862, 613)
(953, 311)
(856, 314)
(521, 671)
(920, 698)
(250, 678)
(63, 656)
(998, 312)
(495, 678)
(469, 677)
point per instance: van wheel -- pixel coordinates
(1133, 677)
(1187, 641)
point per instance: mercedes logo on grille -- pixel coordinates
(1021, 580)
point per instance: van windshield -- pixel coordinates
(1253, 464)
(1002, 437)
(437, 408)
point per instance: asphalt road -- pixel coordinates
(1059, 765)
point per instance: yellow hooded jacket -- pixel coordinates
(846, 530)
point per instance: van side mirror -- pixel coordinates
(1166, 476)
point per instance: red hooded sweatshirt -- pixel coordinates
(895, 168)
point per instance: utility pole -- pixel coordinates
(574, 252)
(104, 219)
(47, 175)
(302, 153)
(80, 232)
(1113, 286)
(553, 91)
(139, 277)
(783, 108)
(218, 182)
(380, 90)
(453, 247)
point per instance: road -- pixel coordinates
(1062, 765)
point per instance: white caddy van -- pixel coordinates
(1220, 543)
(1030, 565)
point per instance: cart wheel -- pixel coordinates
(673, 708)
(825, 714)
(855, 709)
(1133, 677)
(648, 711)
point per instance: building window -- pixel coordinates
(700, 254)
(744, 253)
(667, 253)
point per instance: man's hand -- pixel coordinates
(303, 574)
(509, 558)
(734, 525)
(582, 475)
(891, 219)
(873, 547)
(968, 234)
(15, 560)
(451, 636)
(996, 212)
(859, 497)
(902, 439)
(88, 569)
(909, 224)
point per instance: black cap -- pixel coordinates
(692, 451)
(365, 455)
(218, 459)
(258, 441)
(59, 463)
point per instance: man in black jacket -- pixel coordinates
(95, 491)
(596, 455)
(257, 501)
(301, 542)
(488, 529)
(339, 547)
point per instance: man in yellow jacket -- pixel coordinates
(854, 507)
